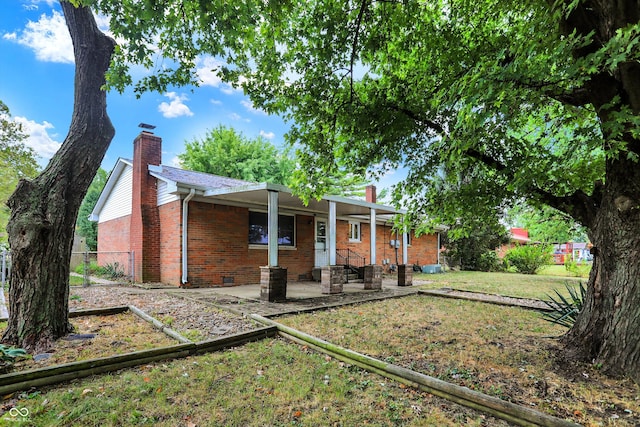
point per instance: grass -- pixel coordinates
(512, 284)
(114, 334)
(501, 351)
(270, 383)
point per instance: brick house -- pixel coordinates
(195, 229)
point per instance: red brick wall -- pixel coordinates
(219, 248)
(170, 215)
(145, 221)
(423, 250)
(113, 236)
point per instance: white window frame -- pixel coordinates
(355, 231)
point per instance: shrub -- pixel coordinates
(470, 250)
(114, 271)
(94, 269)
(489, 261)
(565, 311)
(576, 269)
(528, 259)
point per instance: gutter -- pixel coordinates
(185, 218)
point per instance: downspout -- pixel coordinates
(185, 217)
(438, 248)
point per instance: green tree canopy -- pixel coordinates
(225, 152)
(17, 161)
(85, 228)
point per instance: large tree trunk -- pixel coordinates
(44, 211)
(607, 331)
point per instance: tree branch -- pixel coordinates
(354, 45)
(579, 205)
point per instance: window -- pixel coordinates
(259, 229)
(354, 231)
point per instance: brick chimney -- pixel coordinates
(370, 193)
(145, 219)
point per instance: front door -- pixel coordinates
(322, 254)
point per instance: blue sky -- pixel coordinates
(36, 75)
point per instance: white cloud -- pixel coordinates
(216, 102)
(206, 71)
(176, 162)
(176, 107)
(10, 36)
(48, 38)
(251, 108)
(235, 116)
(39, 139)
(267, 135)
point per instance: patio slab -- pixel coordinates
(301, 297)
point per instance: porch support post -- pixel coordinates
(273, 279)
(272, 220)
(372, 240)
(405, 271)
(372, 272)
(405, 247)
(332, 276)
(332, 232)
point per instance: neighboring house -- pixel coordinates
(196, 229)
(517, 237)
(577, 251)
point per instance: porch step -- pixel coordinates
(353, 277)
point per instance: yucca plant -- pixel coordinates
(8, 355)
(565, 310)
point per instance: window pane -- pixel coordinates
(259, 229)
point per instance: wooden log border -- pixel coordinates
(24, 380)
(511, 412)
(438, 293)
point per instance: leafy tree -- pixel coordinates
(44, 210)
(469, 247)
(225, 152)
(539, 99)
(17, 161)
(547, 224)
(89, 229)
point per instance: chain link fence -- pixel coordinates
(93, 266)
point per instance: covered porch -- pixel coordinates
(325, 214)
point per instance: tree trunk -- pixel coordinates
(44, 211)
(607, 331)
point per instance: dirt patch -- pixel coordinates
(193, 319)
(99, 336)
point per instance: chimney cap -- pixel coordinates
(146, 126)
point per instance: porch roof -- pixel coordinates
(255, 195)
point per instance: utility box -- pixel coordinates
(432, 268)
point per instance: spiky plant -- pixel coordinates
(565, 310)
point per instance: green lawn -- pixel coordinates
(512, 284)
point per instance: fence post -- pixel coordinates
(85, 281)
(4, 267)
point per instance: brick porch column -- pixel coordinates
(373, 277)
(332, 279)
(273, 284)
(405, 275)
